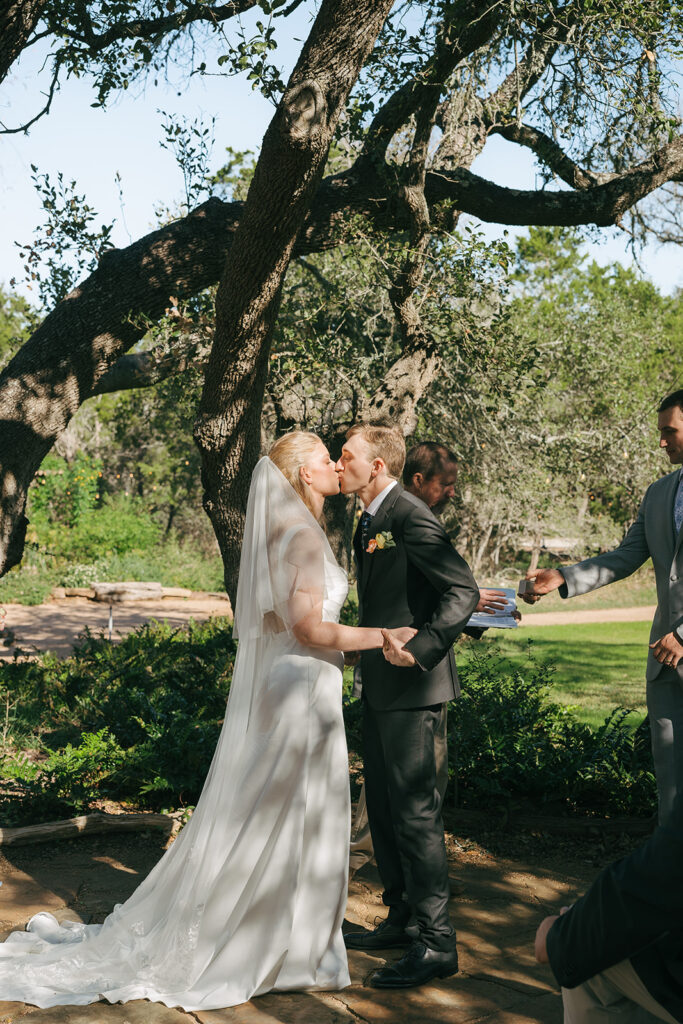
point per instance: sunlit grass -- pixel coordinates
(597, 667)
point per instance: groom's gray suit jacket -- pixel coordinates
(651, 536)
(421, 582)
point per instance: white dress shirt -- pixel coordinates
(373, 508)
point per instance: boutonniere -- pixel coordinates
(382, 540)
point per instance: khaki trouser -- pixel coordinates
(361, 851)
(616, 995)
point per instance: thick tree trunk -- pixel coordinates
(18, 18)
(287, 176)
(58, 369)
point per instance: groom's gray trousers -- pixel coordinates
(404, 810)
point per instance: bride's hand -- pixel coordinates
(403, 633)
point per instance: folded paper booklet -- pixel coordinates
(502, 617)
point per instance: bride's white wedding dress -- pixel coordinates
(251, 896)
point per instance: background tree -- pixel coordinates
(587, 88)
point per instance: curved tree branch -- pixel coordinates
(150, 28)
(41, 113)
(552, 155)
(93, 327)
(602, 204)
(465, 28)
(466, 124)
(145, 369)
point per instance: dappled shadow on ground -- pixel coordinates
(88, 874)
(496, 906)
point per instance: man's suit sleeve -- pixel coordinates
(631, 904)
(613, 565)
(429, 549)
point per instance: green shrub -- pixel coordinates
(160, 696)
(510, 743)
(67, 782)
(120, 525)
(138, 721)
(62, 493)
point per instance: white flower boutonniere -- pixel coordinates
(381, 541)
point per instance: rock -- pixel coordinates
(79, 592)
(58, 594)
(175, 592)
(129, 590)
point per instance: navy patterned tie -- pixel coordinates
(678, 505)
(365, 522)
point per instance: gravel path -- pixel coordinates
(56, 626)
(643, 614)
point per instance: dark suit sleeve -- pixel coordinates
(631, 904)
(429, 549)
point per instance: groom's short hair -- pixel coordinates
(430, 459)
(384, 443)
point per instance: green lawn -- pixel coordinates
(598, 666)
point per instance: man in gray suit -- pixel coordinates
(655, 534)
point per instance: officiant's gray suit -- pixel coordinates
(652, 535)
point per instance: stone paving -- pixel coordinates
(497, 903)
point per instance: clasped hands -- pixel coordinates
(392, 647)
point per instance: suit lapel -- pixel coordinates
(379, 523)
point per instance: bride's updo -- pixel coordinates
(289, 453)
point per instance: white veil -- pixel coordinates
(158, 944)
(284, 551)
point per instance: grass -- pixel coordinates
(597, 667)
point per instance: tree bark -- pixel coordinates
(18, 18)
(287, 175)
(83, 338)
(58, 369)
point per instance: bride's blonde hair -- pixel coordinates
(289, 453)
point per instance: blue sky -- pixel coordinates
(91, 146)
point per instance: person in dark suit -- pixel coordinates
(429, 473)
(408, 574)
(618, 952)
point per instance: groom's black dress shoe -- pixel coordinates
(385, 936)
(418, 966)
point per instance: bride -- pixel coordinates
(250, 898)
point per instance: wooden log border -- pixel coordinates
(86, 824)
(496, 819)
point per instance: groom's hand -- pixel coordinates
(544, 581)
(393, 648)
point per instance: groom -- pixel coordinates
(408, 574)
